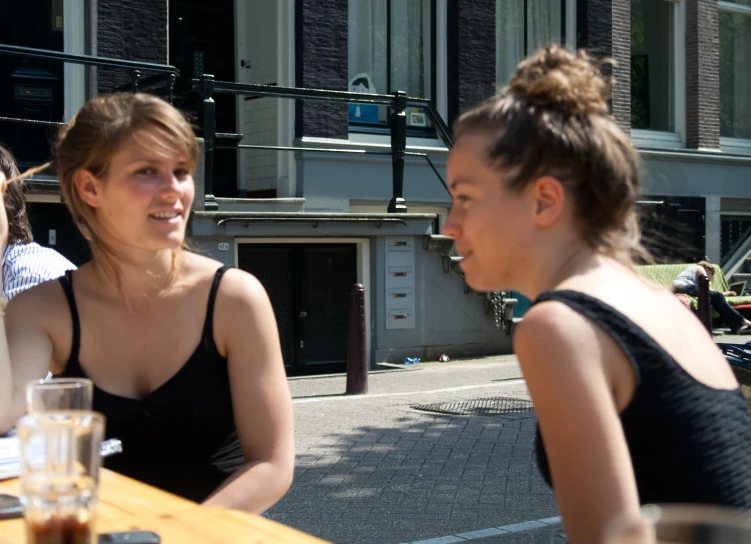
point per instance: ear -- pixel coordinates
(89, 188)
(549, 198)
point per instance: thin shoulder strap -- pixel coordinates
(66, 281)
(208, 326)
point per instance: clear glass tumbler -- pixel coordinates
(59, 394)
(60, 475)
(682, 524)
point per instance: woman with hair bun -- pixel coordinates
(635, 403)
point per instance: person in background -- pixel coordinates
(687, 283)
(634, 401)
(183, 352)
(25, 263)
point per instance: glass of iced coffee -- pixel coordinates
(60, 475)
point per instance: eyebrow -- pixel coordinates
(454, 183)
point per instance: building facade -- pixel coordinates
(310, 219)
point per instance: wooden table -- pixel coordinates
(126, 504)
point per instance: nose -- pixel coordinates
(451, 227)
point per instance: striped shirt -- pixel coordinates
(26, 265)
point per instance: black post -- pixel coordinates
(171, 79)
(704, 306)
(208, 111)
(398, 148)
(357, 357)
(135, 78)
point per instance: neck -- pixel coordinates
(557, 264)
(137, 276)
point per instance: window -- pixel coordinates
(524, 26)
(735, 69)
(391, 48)
(653, 65)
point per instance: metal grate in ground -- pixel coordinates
(493, 406)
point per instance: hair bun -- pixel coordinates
(556, 79)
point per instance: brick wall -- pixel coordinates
(702, 74)
(321, 29)
(474, 66)
(608, 34)
(130, 30)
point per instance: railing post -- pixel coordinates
(135, 79)
(357, 357)
(398, 148)
(208, 113)
(171, 79)
(704, 308)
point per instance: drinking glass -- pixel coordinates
(682, 524)
(60, 475)
(59, 394)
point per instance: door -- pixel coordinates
(52, 226)
(256, 38)
(309, 289)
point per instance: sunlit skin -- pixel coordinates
(529, 241)
(159, 190)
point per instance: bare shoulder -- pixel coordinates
(46, 301)
(549, 325)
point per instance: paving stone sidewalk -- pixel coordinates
(372, 469)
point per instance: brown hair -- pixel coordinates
(91, 138)
(706, 265)
(553, 120)
(19, 227)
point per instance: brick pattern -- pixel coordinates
(608, 35)
(321, 30)
(702, 74)
(475, 69)
(130, 30)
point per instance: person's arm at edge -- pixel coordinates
(561, 357)
(246, 326)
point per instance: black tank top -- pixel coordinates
(181, 437)
(689, 443)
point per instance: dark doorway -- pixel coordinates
(309, 289)
(31, 88)
(202, 41)
(673, 228)
(52, 226)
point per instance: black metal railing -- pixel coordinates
(208, 87)
(163, 82)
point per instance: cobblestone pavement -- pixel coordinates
(372, 469)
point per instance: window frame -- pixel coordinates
(729, 144)
(380, 133)
(676, 139)
(568, 28)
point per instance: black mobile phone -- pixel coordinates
(130, 537)
(10, 507)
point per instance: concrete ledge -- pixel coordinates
(261, 204)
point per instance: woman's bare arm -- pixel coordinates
(245, 324)
(562, 357)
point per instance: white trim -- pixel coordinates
(74, 42)
(656, 139)
(734, 8)
(441, 211)
(385, 140)
(676, 139)
(363, 266)
(286, 164)
(735, 145)
(571, 25)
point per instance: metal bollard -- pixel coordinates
(704, 309)
(357, 358)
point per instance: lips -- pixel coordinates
(165, 215)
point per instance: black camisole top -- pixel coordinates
(181, 437)
(689, 443)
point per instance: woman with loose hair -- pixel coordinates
(183, 352)
(635, 403)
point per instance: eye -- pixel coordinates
(182, 173)
(461, 198)
(146, 172)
